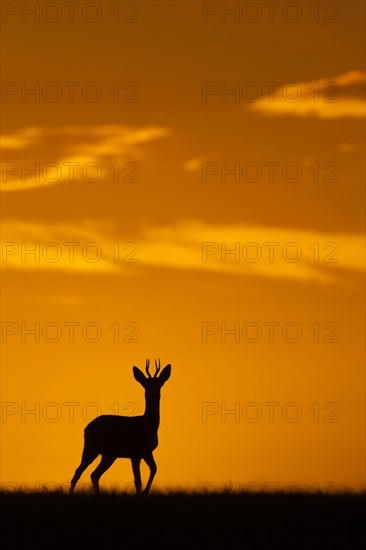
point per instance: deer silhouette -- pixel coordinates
(133, 437)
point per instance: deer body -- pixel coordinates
(126, 437)
(123, 436)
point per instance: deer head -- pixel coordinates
(152, 384)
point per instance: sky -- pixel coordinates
(184, 182)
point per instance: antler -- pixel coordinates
(157, 365)
(147, 368)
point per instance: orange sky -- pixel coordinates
(162, 201)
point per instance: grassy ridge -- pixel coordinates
(183, 520)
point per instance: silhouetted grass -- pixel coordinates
(303, 521)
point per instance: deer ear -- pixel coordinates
(139, 376)
(165, 374)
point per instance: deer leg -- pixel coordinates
(86, 460)
(149, 459)
(102, 467)
(136, 473)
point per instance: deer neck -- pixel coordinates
(152, 413)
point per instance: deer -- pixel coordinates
(133, 437)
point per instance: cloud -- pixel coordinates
(66, 247)
(193, 164)
(242, 250)
(39, 157)
(22, 139)
(251, 250)
(345, 147)
(333, 98)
